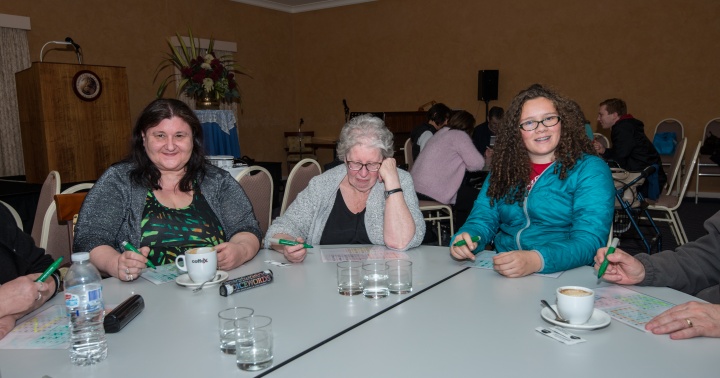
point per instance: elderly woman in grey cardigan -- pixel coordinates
(365, 201)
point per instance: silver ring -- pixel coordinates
(127, 277)
(39, 296)
(689, 322)
(131, 277)
(127, 270)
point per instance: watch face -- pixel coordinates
(87, 85)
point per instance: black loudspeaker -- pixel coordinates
(488, 85)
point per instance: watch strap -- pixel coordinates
(389, 192)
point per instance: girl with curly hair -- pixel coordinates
(548, 202)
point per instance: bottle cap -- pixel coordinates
(80, 256)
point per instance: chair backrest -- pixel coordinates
(297, 141)
(258, 186)
(57, 231)
(14, 214)
(50, 188)
(712, 126)
(676, 164)
(408, 154)
(602, 139)
(298, 180)
(688, 176)
(671, 125)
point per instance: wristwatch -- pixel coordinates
(389, 192)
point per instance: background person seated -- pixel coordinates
(438, 116)
(368, 200)
(483, 132)
(631, 148)
(439, 171)
(548, 201)
(165, 198)
(693, 268)
(21, 263)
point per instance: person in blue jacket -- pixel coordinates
(549, 199)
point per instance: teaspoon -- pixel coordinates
(558, 318)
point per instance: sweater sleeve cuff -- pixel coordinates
(542, 260)
(644, 258)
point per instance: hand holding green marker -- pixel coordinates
(461, 243)
(610, 251)
(287, 242)
(132, 248)
(50, 270)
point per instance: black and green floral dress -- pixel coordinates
(170, 232)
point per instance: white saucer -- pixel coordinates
(599, 319)
(184, 280)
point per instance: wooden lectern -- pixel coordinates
(74, 119)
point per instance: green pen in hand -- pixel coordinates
(50, 270)
(132, 248)
(287, 242)
(461, 243)
(609, 252)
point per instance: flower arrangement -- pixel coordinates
(201, 77)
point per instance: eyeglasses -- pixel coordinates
(548, 121)
(356, 166)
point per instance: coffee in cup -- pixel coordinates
(575, 303)
(199, 263)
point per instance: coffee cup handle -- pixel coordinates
(177, 263)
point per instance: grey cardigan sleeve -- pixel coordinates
(690, 268)
(107, 216)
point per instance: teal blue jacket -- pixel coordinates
(565, 221)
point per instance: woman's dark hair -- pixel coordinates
(145, 173)
(439, 113)
(463, 121)
(510, 164)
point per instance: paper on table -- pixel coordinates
(629, 306)
(483, 260)
(163, 273)
(46, 330)
(361, 254)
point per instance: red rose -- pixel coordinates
(198, 77)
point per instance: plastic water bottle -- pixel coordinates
(86, 310)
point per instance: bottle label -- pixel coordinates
(71, 300)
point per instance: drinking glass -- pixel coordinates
(399, 276)
(375, 280)
(227, 320)
(349, 277)
(254, 344)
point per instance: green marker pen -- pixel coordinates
(610, 251)
(132, 248)
(50, 270)
(461, 243)
(287, 242)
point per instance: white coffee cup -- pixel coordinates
(575, 303)
(200, 263)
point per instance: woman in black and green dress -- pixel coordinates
(165, 199)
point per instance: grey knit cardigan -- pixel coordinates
(307, 215)
(113, 209)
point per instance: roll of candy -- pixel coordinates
(246, 282)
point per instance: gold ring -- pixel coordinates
(689, 322)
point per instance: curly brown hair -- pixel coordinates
(510, 165)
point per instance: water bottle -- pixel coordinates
(86, 310)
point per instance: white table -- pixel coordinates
(479, 323)
(302, 301)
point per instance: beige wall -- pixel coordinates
(390, 55)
